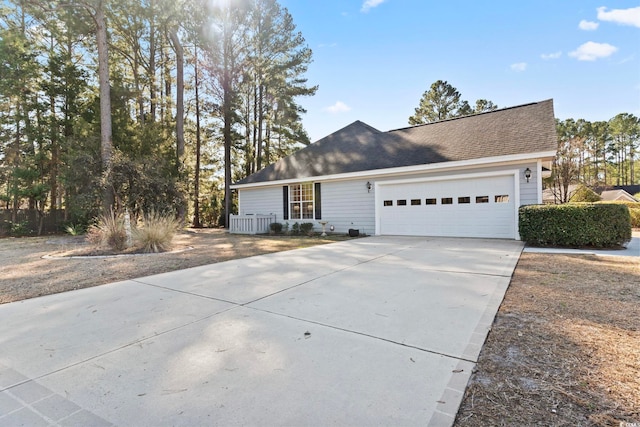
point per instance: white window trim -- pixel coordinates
(302, 202)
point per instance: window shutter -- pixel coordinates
(317, 201)
(285, 201)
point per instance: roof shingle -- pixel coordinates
(359, 147)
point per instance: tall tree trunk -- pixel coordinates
(257, 148)
(53, 170)
(167, 89)
(196, 186)
(248, 146)
(55, 157)
(106, 143)
(260, 122)
(177, 47)
(152, 63)
(227, 116)
(136, 83)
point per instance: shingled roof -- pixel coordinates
(359, 147)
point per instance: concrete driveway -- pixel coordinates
(372, 331)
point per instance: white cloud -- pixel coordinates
(590, 51)
(338, 107)
(519, 66)
(554, 55)
(370, 4)
(588, 25)
(629, 16)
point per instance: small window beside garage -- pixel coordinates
(416, 202)
(401, 202)
(430, 201)
(464, 200)
(482, 199)
(388, 202)
(503, 198)
(447, 200)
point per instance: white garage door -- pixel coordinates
(478, 207)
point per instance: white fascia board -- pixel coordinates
(432, 167)
(506, 172)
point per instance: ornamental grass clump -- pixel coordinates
(156, 232)
(108, 231)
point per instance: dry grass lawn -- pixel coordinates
(26, 274)
(564, 349)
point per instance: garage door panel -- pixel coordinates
(473, 219)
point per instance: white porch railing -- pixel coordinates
(250, 224)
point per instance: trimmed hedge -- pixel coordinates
(634, 211)
(600, 225)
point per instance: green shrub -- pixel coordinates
(634, 211)
(75, 229)
(275, 227)
(108, 231)
(635, 217)
(584, 194)
(295, 229)
(156, 232)
(306, 228)
(575, 225)
(20, 229)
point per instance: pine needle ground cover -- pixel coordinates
(564, 349)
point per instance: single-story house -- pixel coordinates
(464, 177)
(616, 193)
(617, 196)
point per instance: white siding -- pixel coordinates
(529, 190)
(348, 204)
(262, 201)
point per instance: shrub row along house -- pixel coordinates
(460, 177)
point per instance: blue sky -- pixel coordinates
(373, 59)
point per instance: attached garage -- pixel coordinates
(464, 206)
(460, 177)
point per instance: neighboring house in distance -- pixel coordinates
(608, 194)
(460, 177)
(617, 196)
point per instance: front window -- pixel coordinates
(301, 201)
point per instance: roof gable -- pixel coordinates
(359, 147)
(614, 195)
